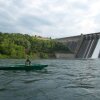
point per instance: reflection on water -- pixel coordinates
(61, 80)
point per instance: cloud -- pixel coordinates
(50, 18)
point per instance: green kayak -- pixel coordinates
(24, 67)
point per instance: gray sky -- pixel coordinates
(50, 18)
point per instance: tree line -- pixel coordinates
(17, 45)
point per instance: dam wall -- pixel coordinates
(83, 46)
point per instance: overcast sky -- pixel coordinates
(50, 18)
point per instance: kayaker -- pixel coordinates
(27, 62)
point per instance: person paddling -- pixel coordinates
(28, 62)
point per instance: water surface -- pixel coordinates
(61, 80)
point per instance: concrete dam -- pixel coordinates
(83, 46)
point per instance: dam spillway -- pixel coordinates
(83, 46)
(88, 46)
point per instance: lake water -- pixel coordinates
(61, 80)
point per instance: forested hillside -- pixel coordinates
(16, 45)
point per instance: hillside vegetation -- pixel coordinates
(16, 45)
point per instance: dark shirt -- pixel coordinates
(27, 62)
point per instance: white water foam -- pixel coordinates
(97, 50)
